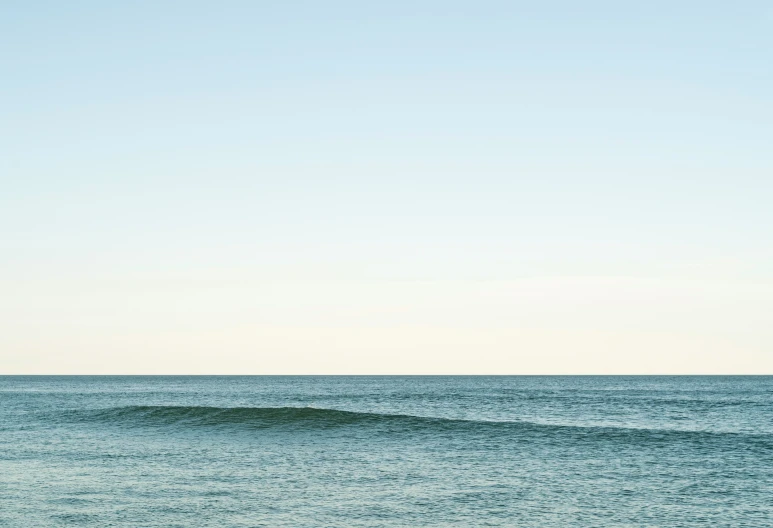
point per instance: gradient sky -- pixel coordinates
(386, 187)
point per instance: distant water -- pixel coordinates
(386, 451)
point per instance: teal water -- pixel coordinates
(386, 451)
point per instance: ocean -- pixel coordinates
(392, 451)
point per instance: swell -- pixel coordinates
(312, 418)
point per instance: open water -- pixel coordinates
(386, 451)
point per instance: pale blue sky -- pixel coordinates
(172, 146)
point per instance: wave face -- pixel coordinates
(258, 417)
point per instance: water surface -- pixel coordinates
(386, 451)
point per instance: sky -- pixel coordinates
(424, 187)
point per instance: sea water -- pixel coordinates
(386, 451)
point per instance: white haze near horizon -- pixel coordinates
(408, 188)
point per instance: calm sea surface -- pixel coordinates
(386, 451)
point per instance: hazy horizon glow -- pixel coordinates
(424, 187)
